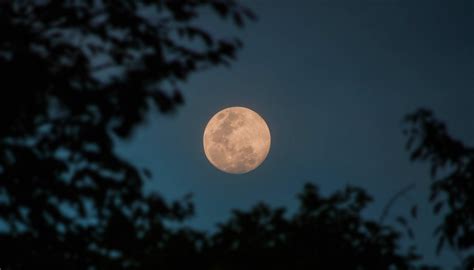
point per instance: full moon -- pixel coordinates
(236, 140)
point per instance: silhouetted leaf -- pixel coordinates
(414, 211)
(437, 207)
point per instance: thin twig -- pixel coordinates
(393, 199)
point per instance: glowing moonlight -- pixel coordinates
(236, 140)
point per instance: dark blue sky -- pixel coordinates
(333, 80)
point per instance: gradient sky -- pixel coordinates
(333, 80)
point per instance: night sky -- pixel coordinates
(333, 79)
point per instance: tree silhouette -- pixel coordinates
(325, 233)
(452, 190)
(76, 74)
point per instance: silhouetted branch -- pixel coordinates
(395, 197)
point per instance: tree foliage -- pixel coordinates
(324, 233)
(452, 169)
(76, 74)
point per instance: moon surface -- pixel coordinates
(236, 140)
